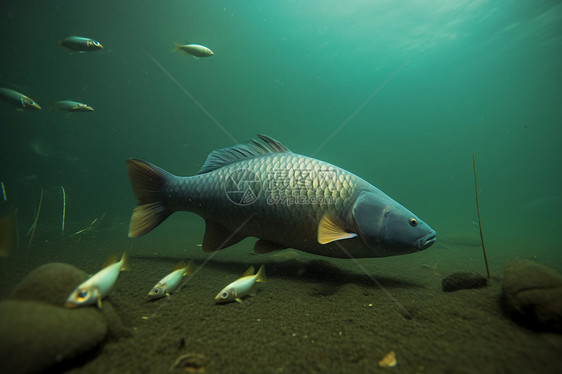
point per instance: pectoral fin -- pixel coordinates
(218, 237)
(331, 229)
(98, 295)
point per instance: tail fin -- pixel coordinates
(147, 182)
(260, 275)
(177, 46)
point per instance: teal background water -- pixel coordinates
(399, 93)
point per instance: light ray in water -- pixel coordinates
(193, 99)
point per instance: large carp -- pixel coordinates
(260, 188)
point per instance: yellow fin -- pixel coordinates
(98, 294)
(189, 269)
(330, 229)
(250, 271)
(125, 265)
(110, 261)
(260, 275)
(239, 300)
(179, 265)
(177, 46)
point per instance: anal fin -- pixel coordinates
(218, 237)
(263, 246)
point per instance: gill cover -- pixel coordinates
(369, 216)
(385, 225)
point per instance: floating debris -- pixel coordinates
(190, 362)
(388, 361)
(91, 227)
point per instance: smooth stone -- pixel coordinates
(36, 336)
(50, 283)
(41, 332)
(463, 281)
(532, 295)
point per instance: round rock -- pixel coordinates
(40, 335)
(50, 283)
(532, 295)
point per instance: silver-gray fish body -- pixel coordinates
(80, 44)
(73, 106)
(287, 200)
(18, 99)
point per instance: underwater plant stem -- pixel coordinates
(63, 209)
(479, 220)
(34, 226)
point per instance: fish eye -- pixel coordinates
(413, 222)
(96, 43)
(156, 290)
(82, 295)
(224, 295)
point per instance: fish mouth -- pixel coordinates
(427, 241)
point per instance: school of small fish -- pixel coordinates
(80, 44)
(98, 286)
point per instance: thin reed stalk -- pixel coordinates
(34, 226)
(63, 210)
(479, 220)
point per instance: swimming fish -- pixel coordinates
(98, 286)
(73, 106)
(171, 281)
(196, 50)
(245, 285)
(18, 99)
(80, 44)
(260, 188)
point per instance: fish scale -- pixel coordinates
(197, 192)
(262, 189)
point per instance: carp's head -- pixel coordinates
(387, 227)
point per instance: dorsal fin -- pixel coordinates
(110, 261)
(251, 148)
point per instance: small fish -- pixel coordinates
(98, 286)
(73, 106)
(80, 44)
(18, 99)
(245, 285)
(196, 50)
(171, 281)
